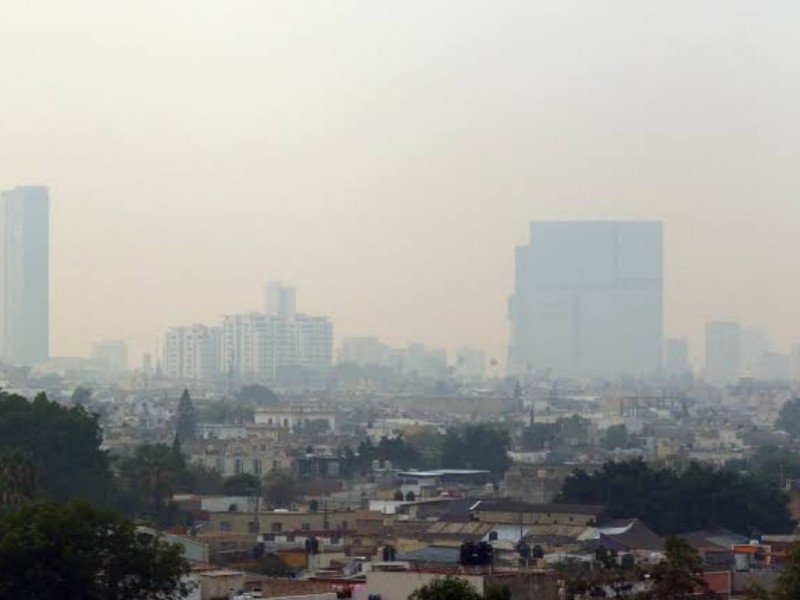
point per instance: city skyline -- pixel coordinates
(391, 176)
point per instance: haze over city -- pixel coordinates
(386, 158)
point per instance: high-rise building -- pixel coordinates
(192, 353)
(723, 352)
(280, 300)
(676, 358)
(364, 351)
(111, 355)
(25, 274)
(470, 363)
(588, 299)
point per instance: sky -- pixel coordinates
(386, 157)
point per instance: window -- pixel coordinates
(256, 466)
(306, 527)
(276, 527)
(252, 527)
(237, 466)
(225, 526)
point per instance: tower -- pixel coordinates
(25, 274)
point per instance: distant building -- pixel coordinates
(364, 351)
(426, 363)
(192, 353)
(676, 358)
(280, 300)
(794, 363)
(723, 352)
(25, 274)
(111, 355)
(773, 366)
(470, 363)
(588, 299)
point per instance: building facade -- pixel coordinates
(588, 299)
(192, 353)
(723, 352)
(25, 274)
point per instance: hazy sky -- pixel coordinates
(386, 156)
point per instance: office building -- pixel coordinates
(25, 274)
(364, 351)
(280, 300)
(588, 300)
(723, 352)
(111, 355)
(470, 363)
(192, 353)
(676, 358)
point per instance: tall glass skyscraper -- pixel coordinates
(25, 274)
(588, 299)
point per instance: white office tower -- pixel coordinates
(676, 358)
(257, 345)
(588, 300)
(25, 275)
(192, 353)
(723, 352)
(280, 300)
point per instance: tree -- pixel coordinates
(63, 443)
(76, 551)
(186, 419)
(280, 490)
(447, 588)
(17, 479)
(789, 418)
(257, 395)
(481, 446)
(680, 575)
(243, 484)
(616, 437)
(225, 411)
(81, 395)
(672, 503)
(538, 436)
(787, 587)
(152, 476)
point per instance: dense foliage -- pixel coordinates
(75, 551)
(479, 446)
(789, 418)
(257, 395)
(567, 431)
(396, 450)
(280, 490)
(186, 418)
(63, 443)
(671, 502)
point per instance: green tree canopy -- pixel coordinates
(672, 503)
(680, 575)
(446, 588)
(227, 411)
(64, 444)
(186, 418)
(481, 446)
(616, 437)
(280, 490)
(789, 418)
(150, 477)
(243, 484)
(257, 395)
(396, 450)
(76, 551)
